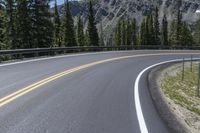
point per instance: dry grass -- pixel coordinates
(183, 93)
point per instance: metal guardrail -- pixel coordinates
(60, 49)
(93, 48)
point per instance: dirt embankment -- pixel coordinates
(180, 96)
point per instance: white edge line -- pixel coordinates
(140, 117)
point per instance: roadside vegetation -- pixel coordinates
(34, 24)
(183, 94)
(31, 24)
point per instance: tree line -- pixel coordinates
(152, 31)
(30, 24)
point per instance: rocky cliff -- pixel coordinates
(108, 12)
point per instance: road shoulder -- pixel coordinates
(175, 124)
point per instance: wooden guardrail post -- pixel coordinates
(183, 69)
(191, 63)
(198, 81)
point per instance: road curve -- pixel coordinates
(97, 98)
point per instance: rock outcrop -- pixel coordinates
(108, 12)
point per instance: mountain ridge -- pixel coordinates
(108, 12)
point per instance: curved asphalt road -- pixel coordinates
(98, 99)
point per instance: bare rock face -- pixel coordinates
(108, 12)
(112, 10)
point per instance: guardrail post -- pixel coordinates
(183, 69)
(191, 63)
(198, 82)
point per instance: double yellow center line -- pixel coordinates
(13, 96)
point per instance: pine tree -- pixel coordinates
(176, 26)
(2, 21)
(57, 26)
(68, 26)
(129, 33)
(197, 31)
(92, 30)
(110, 41)
(143, 33)
(138, 41)
(80, 33)
(147, 31)
(157, 27)
(179, 26)
(150, 31)
(134, 32)
(23, 24)
(42, 24)
(117, 38)
(124, 33)
(101, 42)
(86, 38)
(165, 31)
(10, 29)
(186, 35)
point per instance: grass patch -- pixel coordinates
(181, 92)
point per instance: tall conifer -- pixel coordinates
(24, 24)
(186, 37)
(118, 33)
(101, 35)
(129, 33)
(92, 30)
(176, 26)
(2, 22)
(165, 40)
(143, 32)
(124, 33)
(57, 26)
(150, 31)
(10, 36)
(80, 33)
(68, 26)
(134, 32)
(157, 27)
(42, 24)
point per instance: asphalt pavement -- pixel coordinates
(97, 99)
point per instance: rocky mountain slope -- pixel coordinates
(108, 12)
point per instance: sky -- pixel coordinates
(58, 1)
